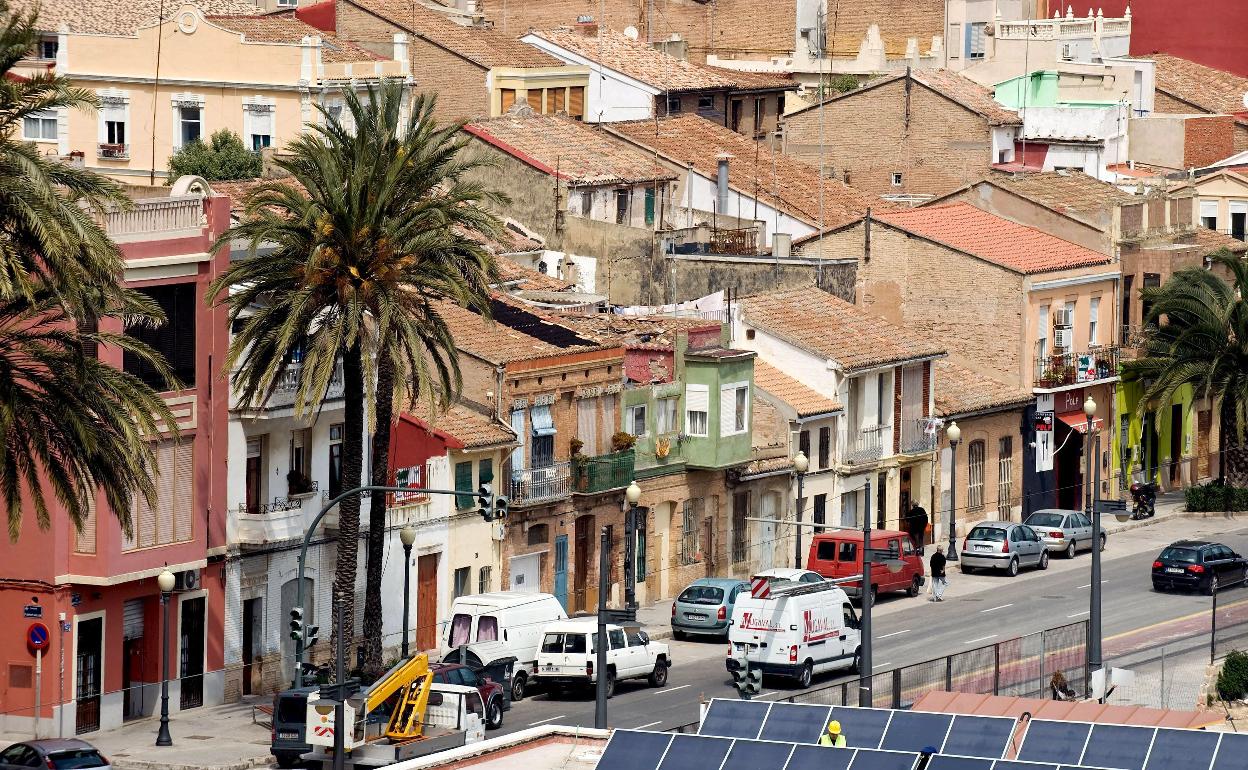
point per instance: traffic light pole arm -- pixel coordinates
(307, 539)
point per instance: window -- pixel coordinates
(975, 476)
(635, 420)
(1209, 214)
(706, 103)
(576, 102)
(825, 447)
(882, 402)
(534, 98)
(299, 479)
(622, 200)
(543, 451)
(39, 127)
(803, 443)
(673, 104)
(287, 3)
(461, 628)
(543, 426)
(734, 406)
(48, 47)
(650, 205)
(538, 534)
(113, 130)
(1151, 281)
(463, 482)
(1005, 474)
(640, 551)
(168, 518)
(697, 404)
(1042, 333)
(690, 517)
(190, 125)
(896, 179)
(174, 339)
(556, 100)
(335, 460)
(826, 551)
(616, 638)
(847, 552)
(759, 109)
(975, 40)
(508, 98)
(254, 474)
(335, 111)
(462, 576)
(1094, 312)
(821, 512)
(259, 120)
(485, 471)
(954, 44)
(667, 415)
(740, 529)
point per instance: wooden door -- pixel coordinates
(580, 572)
(1176, 445)
(87, 667)
(427, 603)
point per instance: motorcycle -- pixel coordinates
(1144, 499)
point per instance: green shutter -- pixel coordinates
(485, 471)
(463, 482)
(649, 205)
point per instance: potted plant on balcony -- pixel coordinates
(622, 441)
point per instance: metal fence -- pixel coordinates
(1228, 626)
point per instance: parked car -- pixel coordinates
(705, 607)
(513, 619)
(1063, 531)
(569, 654)
(796, 636)
(1003, 545)
(794, 575)
(838, 555)
(1193, 564)
(491, 691)
(53, 754)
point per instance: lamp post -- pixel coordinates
(407, 536)
(1094, 607)
(800, 465)
(165, 581)
(866, 697)
(631, 495)
(954, 434)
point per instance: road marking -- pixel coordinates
(1201, 614)
(650, 724)
(881, 665)
(672, 689)
(766, 694)
(1089, 585)
(981, 639)
(544, 721)
(1079, 614)
(895, 633)
(994, 609)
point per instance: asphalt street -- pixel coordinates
(979, 610)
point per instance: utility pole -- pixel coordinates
(340, 676)
(864, 661)
(600, 699)
(1094, 611)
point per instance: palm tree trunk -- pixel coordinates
(349, 508)
(1234, 464)
(377, 516)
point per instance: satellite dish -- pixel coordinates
(631, 33)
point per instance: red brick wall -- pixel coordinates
(649, 365)
(1207, 140)
(707, 336)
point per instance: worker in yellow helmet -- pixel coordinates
(833, 736)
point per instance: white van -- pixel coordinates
(799, 631)
(513, 619)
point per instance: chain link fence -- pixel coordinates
(1229, 626)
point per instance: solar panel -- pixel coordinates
(869, 759)
(916, 731)
(1175, 748)
(946, 762)
(819, 758)
(1011, 764)
(1232, 752)
(979, 736)
(1058, 742)
(631, 749)
(757, 755)
(734, 718)
(795, 723)
(862, 728)
(695, 752)
(1124, 747)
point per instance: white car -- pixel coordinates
(568, 655)
(794, 575)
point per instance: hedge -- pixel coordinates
(1216, 497)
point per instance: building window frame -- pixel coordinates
(734, 409)
(635, 420)
(188, 111)
(1005, 477)
(46, 125)
(461, 584)
(975, 453)
(697, 410)
(825, 447)
(691, 516)
(259, 123)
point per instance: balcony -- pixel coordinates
(287, 387)
(532, 486)
(156, 219)
(866, 445)
(1064, 28)
(281, 519)
(1063, 370)
(918, 436)
(113, 152)
(741, 241)
(603, 473)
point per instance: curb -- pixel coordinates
(141, 764)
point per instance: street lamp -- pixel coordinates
(407, 536)
(954, 434)
(1094, 513)
(165, 581)
(800, 464)
(631, 495)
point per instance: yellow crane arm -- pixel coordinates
(402, 675)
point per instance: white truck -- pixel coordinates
(503, 623)
(569, 654)
(798, 631)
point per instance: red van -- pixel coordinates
(838, 554)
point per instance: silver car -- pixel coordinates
(1063, 531)
(54, 754)
(1003, 545)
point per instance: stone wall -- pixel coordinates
(691, 276)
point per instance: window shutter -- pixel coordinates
(1209, 208)
(182, 490)
(534, 98)
(132, 619)
(508, 98)
(463, 481)
(727, 410)
(576, 101)
(697, 398)
(586, 425)
(86, 538)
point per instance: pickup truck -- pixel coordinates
(568, 655)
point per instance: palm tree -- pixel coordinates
(365, 244)
(1198, 336)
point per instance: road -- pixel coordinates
(979, 610)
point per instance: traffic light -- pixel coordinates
(485, 502)
(310, 635)
(500, 508)
(296, 623)
(748, 681)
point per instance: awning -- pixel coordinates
(1079, 421)
(543, 423)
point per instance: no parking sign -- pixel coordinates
(37, 638)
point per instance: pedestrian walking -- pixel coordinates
(917, 526)
(833, 736)
(939, 581)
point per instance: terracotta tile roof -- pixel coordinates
(975, 231)
(486, 46)
(287, 29)
(828, 326)
(768, 465)
(951, 85)
(615, 50)
(1211, 240)
(962, 391)
(237, 190)
(1064, 191)
(635, 332)
(499, 343)
(526, 278)
(789, 184)
(577, 151)
(109, 17)
(470, 427)
(805, 401)
(1206, 88)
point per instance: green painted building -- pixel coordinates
(1040, 90)
(1157, 444)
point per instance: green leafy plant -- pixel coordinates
(623, 440)
(225, 157)
(576, 445)
(1216, 496)
(1233, 678)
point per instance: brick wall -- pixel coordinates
(1207, 140)
(1165, 103)
(865, 136)
(990, 429)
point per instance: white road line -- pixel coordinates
(544, 721)
(981, 639)
(1078, 614)
(650, 724)
(671, 689)
(895, 633)
(881, 665)
(1089, 585)
(766, 694)
(994, 609)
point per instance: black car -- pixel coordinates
(1193, 564)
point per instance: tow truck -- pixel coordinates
(424, 718)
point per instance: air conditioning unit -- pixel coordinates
(1062, 318)
(186, 580)
(1061, 337)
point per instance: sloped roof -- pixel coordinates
(574, 150)
(486, 46)
(615, 50)
(805, 401)
(110, 17)
(789, 184)
(1210, 241)
(1206, 88)
(962, 391)
(472, 429)
(952, 85)
(1017, 247)
(516, 333)
(526, 278)
(1064, 191)
(287, 29)
(828, 326)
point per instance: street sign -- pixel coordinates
(1111, 506)
(32, 611)
(37, 637)
(760, 588)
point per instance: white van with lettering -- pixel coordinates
(503, 623)
(798, 631)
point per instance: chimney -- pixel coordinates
(781, 245)
(721, 182)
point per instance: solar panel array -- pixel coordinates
(1130, 747)
(636, 750)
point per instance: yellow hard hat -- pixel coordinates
(834, 727)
